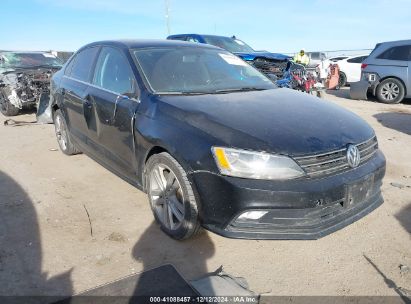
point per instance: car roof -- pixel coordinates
(201, 35)
(147, 43)
(396, 42)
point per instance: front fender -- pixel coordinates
(188, 145)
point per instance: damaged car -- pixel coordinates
(214, 143)
(274, 65)
(25, 79)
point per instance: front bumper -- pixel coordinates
(304, 208)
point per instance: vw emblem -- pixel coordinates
(353, 156)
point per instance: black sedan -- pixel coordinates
(214, 143)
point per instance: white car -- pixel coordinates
(350, 69)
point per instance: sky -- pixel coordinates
(277, 26)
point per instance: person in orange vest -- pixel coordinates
(301, 58)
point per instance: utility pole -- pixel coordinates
(167, 7)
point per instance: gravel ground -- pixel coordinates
(47, 246)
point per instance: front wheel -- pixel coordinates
(390, 90)
(171, 197)
(6, 107)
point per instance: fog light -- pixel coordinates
(252, 215)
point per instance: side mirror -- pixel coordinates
(132, 94)
(129, 95)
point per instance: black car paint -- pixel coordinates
(278, 121)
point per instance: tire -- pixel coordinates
(171, 197)
(63, 134)
(390, 90)
(342, 80)
(6, 108)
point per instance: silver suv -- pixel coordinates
(386, 73)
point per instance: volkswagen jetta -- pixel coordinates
(214, 143)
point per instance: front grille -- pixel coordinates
(267, 66)
(336, 161)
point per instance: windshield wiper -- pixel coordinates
(243, 89)
(183, 93)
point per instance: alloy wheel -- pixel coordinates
(390, 91)
(166, 196)
(61, 132)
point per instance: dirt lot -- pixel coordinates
(47, 246)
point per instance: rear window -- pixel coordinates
(338, 58)
(357, 59)
(401, 53)
(182, 38)
(376, 47)
(83, 63)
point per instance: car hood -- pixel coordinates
(267, 55)
(279, 121)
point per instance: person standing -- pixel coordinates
(301, 58)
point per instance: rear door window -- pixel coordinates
(113, 72)
(401, 53)
(83, 63)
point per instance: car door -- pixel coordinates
(75, 85)
(113, 95)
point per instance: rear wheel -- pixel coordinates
(342, 80)
(390, 90)
(63, 135)
(6, 108)
(171, 197)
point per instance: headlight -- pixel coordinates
(255, 165)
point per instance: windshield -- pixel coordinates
(10, 60)
(230, 44)
(198, 70)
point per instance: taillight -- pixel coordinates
(363, 65)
